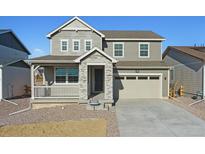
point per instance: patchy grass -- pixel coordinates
(80, 128)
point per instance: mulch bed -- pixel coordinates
(196, 109)
(69, 112)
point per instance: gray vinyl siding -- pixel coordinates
(10, 55)
(17, 75)
(187, 70)
(14, 80)
(165, 82)
(70, 35)
(131, 51)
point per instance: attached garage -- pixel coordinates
(132, 86)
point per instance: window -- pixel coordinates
(142, 78)
(73, 75)
(144, 50)
(64, 45)
(66, 75)
(118, 50)
(154, 77)
(88, 45)
(119, 78)
(131, 78)
(60, 75)
(76, 45)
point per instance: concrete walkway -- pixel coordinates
(155, 118)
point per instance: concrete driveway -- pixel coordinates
(154, 118)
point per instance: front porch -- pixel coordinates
(51, 83)
(48, 88)
(88, 77)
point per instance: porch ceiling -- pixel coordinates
(53, 59)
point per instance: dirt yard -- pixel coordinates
(196, 109)
(80, 128)
(74, 112)
(7, 108)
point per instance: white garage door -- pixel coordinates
(137, 86)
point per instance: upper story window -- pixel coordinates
(88, 45)
(66, 75)
(118, 49)
(64, 45)
(143, 50)
(76, 45)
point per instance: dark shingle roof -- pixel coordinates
(131, 34)
(141, 64)
(2, 31)
(197, 52)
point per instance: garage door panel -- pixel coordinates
(131, 89)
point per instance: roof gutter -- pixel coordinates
(143, 67)
(51, 61)
(135, 39)
(177, 50)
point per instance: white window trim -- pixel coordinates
(78, 40)
(91, 45)
(148, 50)
(66, 82)
(66, 40)
(122, 49)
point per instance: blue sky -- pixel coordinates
(177, 30)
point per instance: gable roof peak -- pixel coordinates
(198, 53)
(71, 20)
(93, 50)
(3, 31)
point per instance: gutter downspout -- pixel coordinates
(23, 110)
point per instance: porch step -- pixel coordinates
(54, 100)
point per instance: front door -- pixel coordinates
(99, 76)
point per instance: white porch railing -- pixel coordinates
(57, 91)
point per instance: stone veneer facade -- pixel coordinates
(96, 57)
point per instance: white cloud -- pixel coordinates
(37, 52)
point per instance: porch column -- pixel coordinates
(109, 81)
(83, 80)
(32, 81)
(1, 78)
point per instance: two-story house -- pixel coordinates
(87, 63)
(188, 68)
(14, 72)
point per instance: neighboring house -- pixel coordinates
(14, 72)
(86, 63)
(188, 67)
